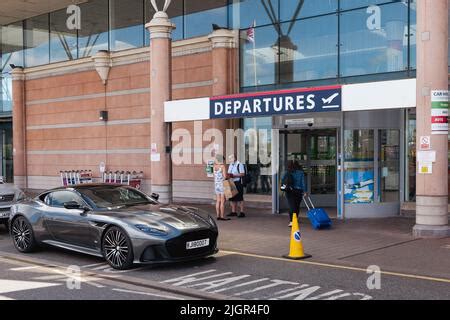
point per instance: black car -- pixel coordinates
(119, 223)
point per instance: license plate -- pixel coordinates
(197, 244)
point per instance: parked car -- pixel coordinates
(119, 223)
(9, 194)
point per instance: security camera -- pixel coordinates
(310, 124)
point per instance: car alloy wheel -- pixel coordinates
(22, 235)
(117, 249)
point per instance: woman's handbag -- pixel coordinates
(229, 189)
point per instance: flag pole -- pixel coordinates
(254, 52)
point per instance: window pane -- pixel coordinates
(258, 146)
(389, 166)
(411, 150)
(93, 35)
(308, 49)
(5, 92)
(374, 45)
(359, 166)
(412, 34)
(258, 58)
(200, 15)
(11, 46)
(127, 24)
(37, 41)
(351, 4)
(175, 13)
(63, 42)
(244, 12)
(293, 9)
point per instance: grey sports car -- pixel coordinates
(119, 223)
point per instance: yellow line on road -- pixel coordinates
(328, 265)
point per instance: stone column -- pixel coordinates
(224, 71)
(432, 74)
(19, 128)
(160, 29)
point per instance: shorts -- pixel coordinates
(240, 196)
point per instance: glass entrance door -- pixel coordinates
(316, 152)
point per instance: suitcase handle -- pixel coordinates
(305, 197)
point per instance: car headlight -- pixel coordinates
(212, 222)
(20, 196)
(159, 230)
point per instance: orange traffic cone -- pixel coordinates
(296, 246)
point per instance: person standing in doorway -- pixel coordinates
(295, 182)
(220, 174)
(236, 171)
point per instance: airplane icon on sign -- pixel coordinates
(327, 102)
(330, 99)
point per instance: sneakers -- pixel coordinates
(241, 215)
(232, 214)
(290, 224)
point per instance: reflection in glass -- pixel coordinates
(6, 152)
(11, 46)
(389, 166)
(63, 42)
(322, 165)
(308, 49)
(200, 15)
(411, 149)
(258, 144)
(36, 41)
(289, 9)
(371, 47)
(93, 35)
(127, 24)
(244, 12)
(359, 177)
(259, 57)
(175, 13)
(352, 4)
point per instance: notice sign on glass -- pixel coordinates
(439, 112)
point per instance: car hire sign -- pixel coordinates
(277, 103)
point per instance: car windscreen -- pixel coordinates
(112, 197)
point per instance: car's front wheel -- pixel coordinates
(117, 249)
(23, 236)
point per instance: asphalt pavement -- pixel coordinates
(228, 275)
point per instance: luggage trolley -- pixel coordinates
(132, 179)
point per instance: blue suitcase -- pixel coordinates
(317, 216)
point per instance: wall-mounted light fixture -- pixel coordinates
(103, 115)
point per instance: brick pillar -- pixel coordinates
(432, 74)
(19, 128)
(224, 71)
(160, 29)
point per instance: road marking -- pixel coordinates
(93, 265)
(5, 298)
(274, 283)
(149, 294)
(14, 285)
(240, 285)
(24, 268)
(328, 265)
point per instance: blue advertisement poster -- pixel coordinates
(359, 185)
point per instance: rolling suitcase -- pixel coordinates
(317, 216)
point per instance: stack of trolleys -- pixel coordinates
(72, 177)
(132, 179)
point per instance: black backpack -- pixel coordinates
(247, 178)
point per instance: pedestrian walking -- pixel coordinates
(294, 185)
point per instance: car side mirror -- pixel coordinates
(155, 196)
(72, 205)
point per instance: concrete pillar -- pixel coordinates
(19, 127)
(432, 74)
(160, 29)
(224, 71)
